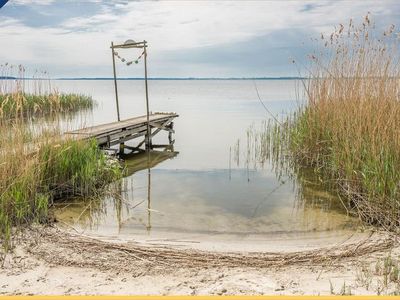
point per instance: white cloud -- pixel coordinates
(31, 2)
(83, 42)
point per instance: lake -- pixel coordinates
(201, 194)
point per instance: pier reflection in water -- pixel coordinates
(145, 162)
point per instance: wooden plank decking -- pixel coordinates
(115, 133)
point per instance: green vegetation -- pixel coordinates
(348, 131)
(30, 183)
(76, 168)
(37, 165)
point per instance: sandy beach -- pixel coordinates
(56, 262)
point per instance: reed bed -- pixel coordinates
(20, 104)
(349, 129)
(30, 97)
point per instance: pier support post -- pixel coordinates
(121, 148)
(148, 144)
(171, 126)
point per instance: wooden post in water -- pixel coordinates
(148, 135)
(122, 145)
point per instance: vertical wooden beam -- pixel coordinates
(171, 126)
(121, 146)
(115, 79)
(147, 138)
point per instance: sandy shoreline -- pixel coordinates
(51, 261)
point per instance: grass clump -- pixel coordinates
(29, 184)
(76, 168)
(348, 130)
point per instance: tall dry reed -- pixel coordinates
(349, 129)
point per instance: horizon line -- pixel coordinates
(157, 78)
(181, 78)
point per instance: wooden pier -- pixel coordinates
(117, 133)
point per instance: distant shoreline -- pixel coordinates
(158, 78)
(187, 78)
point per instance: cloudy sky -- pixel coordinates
(186, 38)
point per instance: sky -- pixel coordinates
(186, 38)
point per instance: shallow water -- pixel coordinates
(199, 192)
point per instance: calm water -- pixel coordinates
(195, 192)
